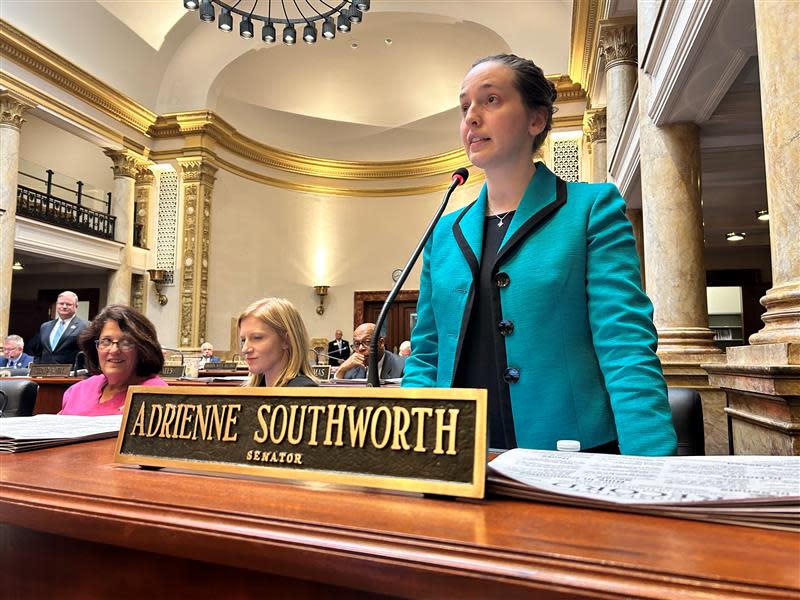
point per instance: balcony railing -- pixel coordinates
(48, 209)
(40, 204)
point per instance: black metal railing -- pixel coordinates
(70, 215)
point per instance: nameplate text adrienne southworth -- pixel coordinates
(413, 440)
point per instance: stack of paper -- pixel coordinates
(18, 434)
(758, 491)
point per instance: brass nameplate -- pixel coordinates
(322, 372)
(43, 370)
(414, 440)
(220, 366)
(172, 371)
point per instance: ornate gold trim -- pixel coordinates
(125, 163)
(12, 107)
(585, 22)
(37, 58)
(47, 64)
(207, 123)
(58, 107)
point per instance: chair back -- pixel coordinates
(687, 417)
(19, 397)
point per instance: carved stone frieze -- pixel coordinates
(618, 45)
(125, 163)
(143, 192)
(12, 109)
(594, 126)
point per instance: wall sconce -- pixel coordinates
(158, 277)
(322, 291)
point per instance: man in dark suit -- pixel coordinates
(13, 356)
(338, 349)
(390, 366)
(57, 341)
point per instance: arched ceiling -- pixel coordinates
(325, 99)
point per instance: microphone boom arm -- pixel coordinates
(373, 377)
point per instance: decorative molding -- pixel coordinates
(138, 293)
(37, 58)
(126, 164)
(198, 185)
(12, 107)
(618, 44)
(566, 89)
(52, 105)
(679, 39)
(50, 240)
(594, 125)
(211, 128)
(625, 169)
(729, 74)
(142, 200)
(585, 23)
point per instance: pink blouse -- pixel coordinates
(83, 398)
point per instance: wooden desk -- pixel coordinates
(78, 524)
(51, 391)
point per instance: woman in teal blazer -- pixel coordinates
(532, 291)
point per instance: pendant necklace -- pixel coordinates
(500, 218)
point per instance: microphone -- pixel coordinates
(320, 353)
(459, 177)
(80, 359)
(174, 350)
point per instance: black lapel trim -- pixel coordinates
(464, 246)
(474, 268)
(533, 222)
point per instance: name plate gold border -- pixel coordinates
(472, 489)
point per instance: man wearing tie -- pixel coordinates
(57, 341)
(13, 356)
(338, 349)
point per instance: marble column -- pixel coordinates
(779, 73)
(594, 128)
(197, 184)
(122, 207)
(674, 253)
(618, 47)
(763, 379)
(12, 108)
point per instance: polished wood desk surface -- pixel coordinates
(390, 544)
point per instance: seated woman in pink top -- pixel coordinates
(122, 345)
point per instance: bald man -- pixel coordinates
(390, 366)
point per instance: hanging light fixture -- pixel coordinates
(735, 236)
(345, 14)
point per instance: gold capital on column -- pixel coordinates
(12, 107)
(594, 125)
(618, 43)
(125, 162)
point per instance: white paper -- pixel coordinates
(652, 480)
(57, 427)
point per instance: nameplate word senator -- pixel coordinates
(414, 440)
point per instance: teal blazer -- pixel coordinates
(581, 360)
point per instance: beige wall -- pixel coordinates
(65, 153)
(274, 242)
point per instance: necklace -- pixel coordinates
(499, 217)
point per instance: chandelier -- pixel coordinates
(305, 12)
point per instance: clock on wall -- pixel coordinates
(396, 274)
